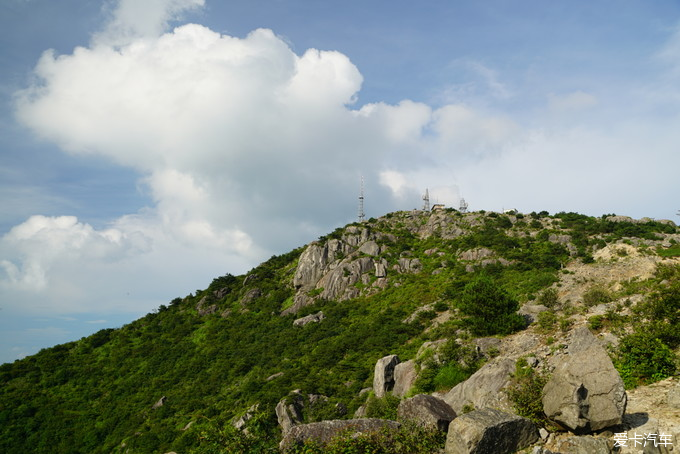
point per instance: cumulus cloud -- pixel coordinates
(247, 148)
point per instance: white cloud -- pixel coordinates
(134, 19)
(247, 148)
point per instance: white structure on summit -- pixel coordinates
(463, 206)
(426, 200)
(362, 215)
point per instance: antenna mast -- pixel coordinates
(362, 215)
(463, 206)
(426, 200)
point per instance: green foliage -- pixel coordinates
(596, 295)
(546, 321)
(526, 392)
(489, 309)
(548, 297)
(408, 439)
(644, 359)
(383, 408)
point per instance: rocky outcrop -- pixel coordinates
(426, 411)
(489, 431)
(585, 392)
(405, 375)
(311, 318)
(383, 377)
(322, 432)
(483, 388)
(289, 412)
(240, 423)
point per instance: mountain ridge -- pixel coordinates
(385, 286)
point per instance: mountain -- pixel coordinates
(454, 292)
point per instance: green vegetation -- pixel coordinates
(216, 353)
(489, 309)
(526, 391)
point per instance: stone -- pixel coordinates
(483, 388)
(383, 377)
(311, 318)
(322, 432)
(585, 392)
(489, 431)
(427, 411)
(584, 445)
(289, 412)
(530, 311)
(159, 403)
(241, 422)
(673, 397)
(405, 376)
(370, 248)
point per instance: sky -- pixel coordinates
(147, 147)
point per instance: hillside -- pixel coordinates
(441, 288)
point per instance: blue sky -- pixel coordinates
(162, 143)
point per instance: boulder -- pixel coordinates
(322, 432)
(427, 411)
(585, 392)
(405, 376)
(289, 411)
(489, 431)
(241, 422)
(483, 388)
(584, 445)
(311, 318)
(383, 377)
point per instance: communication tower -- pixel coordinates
(362, 215)
(463, 206)
(426, 200)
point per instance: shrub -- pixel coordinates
(526, 392)
(383, 408)
(548, 297)
(546, 321)
(489, 309)
(643, 359)
(595, 296)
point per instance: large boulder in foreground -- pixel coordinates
(405, 376)
(483, 388)
(383, 376)
(490, 431)
(427, 411)
(585, 392)
(322, 432)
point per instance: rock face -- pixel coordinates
(427, 411)
(489, 431)
(322, 432)
(483, 388)
(585, 392)
(311, 318)
(383, 377)
(404, 377)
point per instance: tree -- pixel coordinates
(489, 309)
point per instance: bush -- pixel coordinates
(595, 296)
(384, 408)
(489, 309)
(526, 392)
(548, 297)
(643, 359)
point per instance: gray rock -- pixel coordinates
(405, 376)
(489, 431)
(311, 318)
(483, 388)
(241, 422)
(370, 248)
(322, 432)
(159, 403)
(673, 397)
(584, 445)
(585, 392)
(289, 412)
(251, 295)
(383, 377)
(531, 311)
(426, 411)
